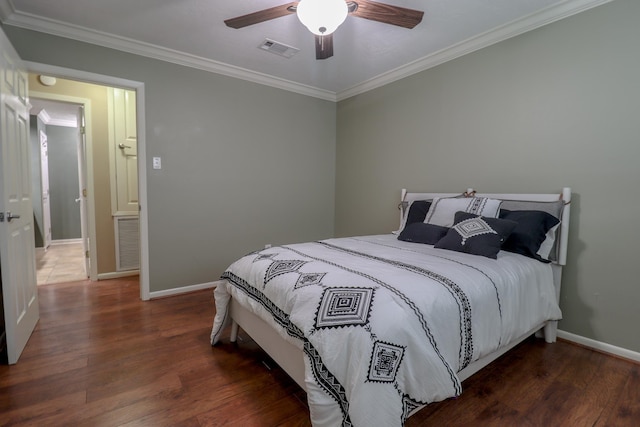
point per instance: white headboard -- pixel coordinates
(565, 195)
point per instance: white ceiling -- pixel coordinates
(367, 54)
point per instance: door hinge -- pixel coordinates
(82, 130)
(86, 254)
(84, 192)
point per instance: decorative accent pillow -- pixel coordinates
(477, 235)
(416, 211)
(531, 232)
(549, 248)
(442, 210)
(419, 232)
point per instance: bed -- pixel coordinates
(374, 328)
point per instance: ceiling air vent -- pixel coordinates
(278, 48)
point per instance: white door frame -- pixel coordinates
(101, 79)
(83, 184)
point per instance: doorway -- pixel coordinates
(96, 148)
(57, 183)
(139, 88)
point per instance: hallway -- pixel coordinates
(62, 262)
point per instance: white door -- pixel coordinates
(125, 136)
(17, 248)
(46, 204)
(82, 198)
(124, 180)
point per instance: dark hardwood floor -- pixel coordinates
(101, 357)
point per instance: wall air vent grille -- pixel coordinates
(278, 48)
(127, 243)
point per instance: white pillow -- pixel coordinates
(547, 244)
(443, 210)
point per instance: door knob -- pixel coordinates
(122, 146)
(9, 216)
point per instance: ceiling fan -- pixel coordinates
(322, 17)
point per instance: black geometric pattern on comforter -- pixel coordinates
(410, 304)
(385, 361)
(308, 279)
(409, 405)
(344, 307)
(276, 268)
(466, 333)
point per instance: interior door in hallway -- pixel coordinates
(46, 202)
(17, 249)
(126, 151)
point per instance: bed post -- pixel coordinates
(564, 230)
(550, 331)
(403, 194)
(551, 328)
(234, 331)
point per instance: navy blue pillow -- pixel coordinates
(419, 232)
(418, 211)
(477, 235)
(530, 232)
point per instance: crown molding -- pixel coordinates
(11, 16)
(44, 116)
(55, 121)
(531, 22)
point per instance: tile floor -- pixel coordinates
(62, 262)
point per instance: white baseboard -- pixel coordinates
(600, 346)
(65, 241)
(183, 290)
(118, 274)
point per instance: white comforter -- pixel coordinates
(386, 325)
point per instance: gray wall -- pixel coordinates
(63, 182)
(559, 106)
(242, 164)
(35, 125)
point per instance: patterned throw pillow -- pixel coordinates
(442, 210)
(477, 235)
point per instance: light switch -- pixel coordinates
(157, 163)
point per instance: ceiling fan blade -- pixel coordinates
(262, 15)
(324, 46)
(389, 14)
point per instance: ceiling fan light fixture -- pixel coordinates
(322, 17)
